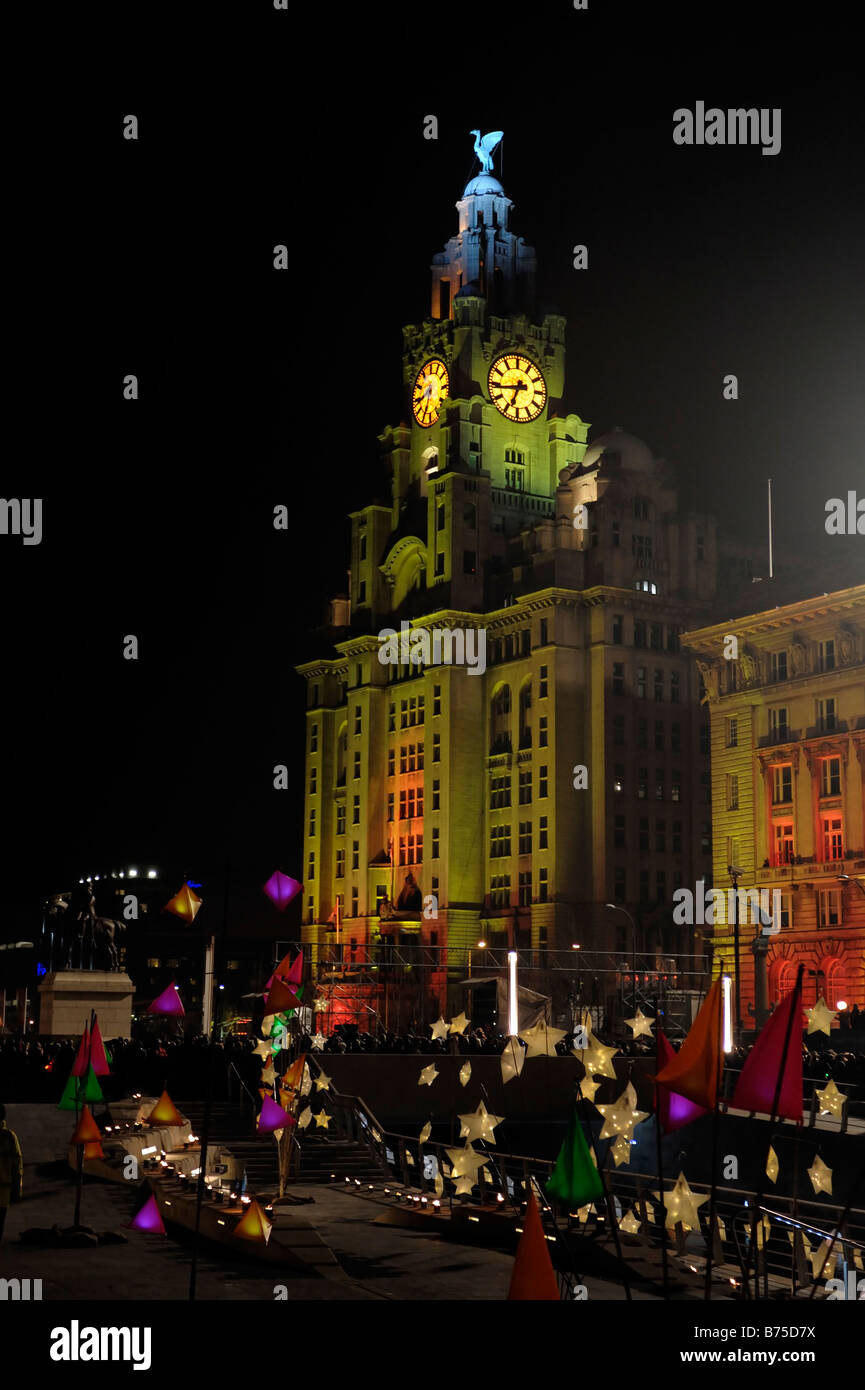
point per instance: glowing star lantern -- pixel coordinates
(513, 1059)
(630, 1224)
(695, 1070)
(459, 1024)
(588, 1088)
(466, 1162)
(598, 1059)
(322, 1082)
(98, 1055)
(322, 1119)
(75, 1093)
(280, 998)
(758, 1079)
(622, 1116)
(479, 1124)
(82, 1060)
(465, 1073)
(86, 1131)
(820, 1019)
(168, 1002)
(640, 1024)
(439, 1030)
(464, 1187)
(281, 889)
(184, 904)
(273, 1117)
(682, 1204)
(820, 1175)
(674, 1111)
(425, 1133)
(164, 1112)
(253, 1225)
(621, 1150)
(268, 1076)
(305, 1118)
(772, 1165)
(541, 1040)
(832, 1100)
(148, 1219)
(428, 1075)
(262, 1049)
(818, 1256)
(575, 1179)
(533, 1276)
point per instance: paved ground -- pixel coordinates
(383, 1263)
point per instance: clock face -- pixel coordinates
(517, 387)
(430, 389)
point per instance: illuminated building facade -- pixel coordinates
(788, 787)
(568, 571)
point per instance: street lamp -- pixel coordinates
(615, 907)
(480, 947)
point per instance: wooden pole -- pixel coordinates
(716, 1126)
(658, 1150)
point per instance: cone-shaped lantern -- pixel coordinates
(86, 1129)
(98, 1055)
(82, 1060)
(253, 1225)
(533, 1275)
(281, 889)
(694, 1071)
(575, 1180)
(280, 998)
(674, 1111)
(76, 1092)
(93, 1149)
(184, 904)
(168, 1002)
(273, 1117)
(148, 1219)
(164, 1112)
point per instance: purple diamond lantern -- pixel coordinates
(281, 889)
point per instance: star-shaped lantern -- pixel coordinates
(820, 1175)
(541, 1040)
(588, 1087)
(322, 1082)
(621, 1117)
(630, 1224)
(479, 1124)
(466, 1162)
(513, 1058)
(682, 1204)
(831, 1100)
(820, 1019)
(428, 1075)
(465, 1073)
(640, 1024)
(322, 1119)
(621, 1150)
(440, 1029)
(459, 1024)
(598, 1058)
(463, 1187)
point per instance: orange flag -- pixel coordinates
(280, 998)
(293, 1079)
(164, 1112)
(694, 1071)
(86, 1131)
(533, 1275)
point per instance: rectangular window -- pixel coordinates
(643, 733)
(500, 791)
(673, 644)
(544, 631)
(469, 561)
(827, 716)
(733, 791)
(675, 738)
(619, 890)
(525, 837)
(619, 832)
(310, 868)
(313, 739)
(778, 665)
(619, 777)
(543, 833)
(340, 863)
(436, 795)
(659, 684)
(644, 887)
(617, 629)
(354, 902)
(783, 846)
(358, 720)
(659, 735)
(732, 733)
(435, 842)
(830, 777)
(782, 784)
(543, 885)
(437, 699)
(659, 784)
(390, 805)
(644, 834)
(656, 637)
(779, 729)
(641, 547)
(525, 888)
(676, 786)
(355, 854)
(437, 748)
(391, 762)
(542, 689)
(675, 687)
(355, 810)
(830, 907)
(642, 783)
(660, 836)
(543, 731)
(639, 633)
(833, 838)
(361, 591)
(440, 563)
(619, 731)
(618, 678)
(391, 718)
(500, 841)
(340, 818)
(542, 781)
(826, 655)
(311, 827)
(356, 766)
(313, 780)
(525, 788)
(677, 837)
(641, 683)
(786, 919)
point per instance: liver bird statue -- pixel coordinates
(484, 146)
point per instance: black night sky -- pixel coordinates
(259, 388)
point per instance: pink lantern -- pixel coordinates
(281, 889)
(168, 1002)
(273, 1117)
(148, 1219)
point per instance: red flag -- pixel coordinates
(533, 1276)
(280, 998)
(82, 1061)
(694, 1071)
(755, 1089)
(673, 1110)
(98, 1060)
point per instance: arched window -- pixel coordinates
(500, 721)
(781, 979)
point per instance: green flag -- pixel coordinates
(88, 1091)
(575, 1178)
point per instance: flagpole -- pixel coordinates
(756, 1219)
(716, 1130)
(658, 1140)
(609, 1200)
(79, 1175)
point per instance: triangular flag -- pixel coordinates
(164, 1112)
(575, 1179)
(533, 1276)
(148, 1218)
(293, 1078)
(253, 1225)
(295, 971)
(758, 1079)
(281, 889)
(81, 1063)
(273, 1117)
(693, 1072)
(280, 998)
(98, 1056)
(673, 1110)
(168, 1002)
(184, 904)
(75, 1093)
(86, 1129)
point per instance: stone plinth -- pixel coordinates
(67, 997)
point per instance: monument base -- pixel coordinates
(67, 997)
